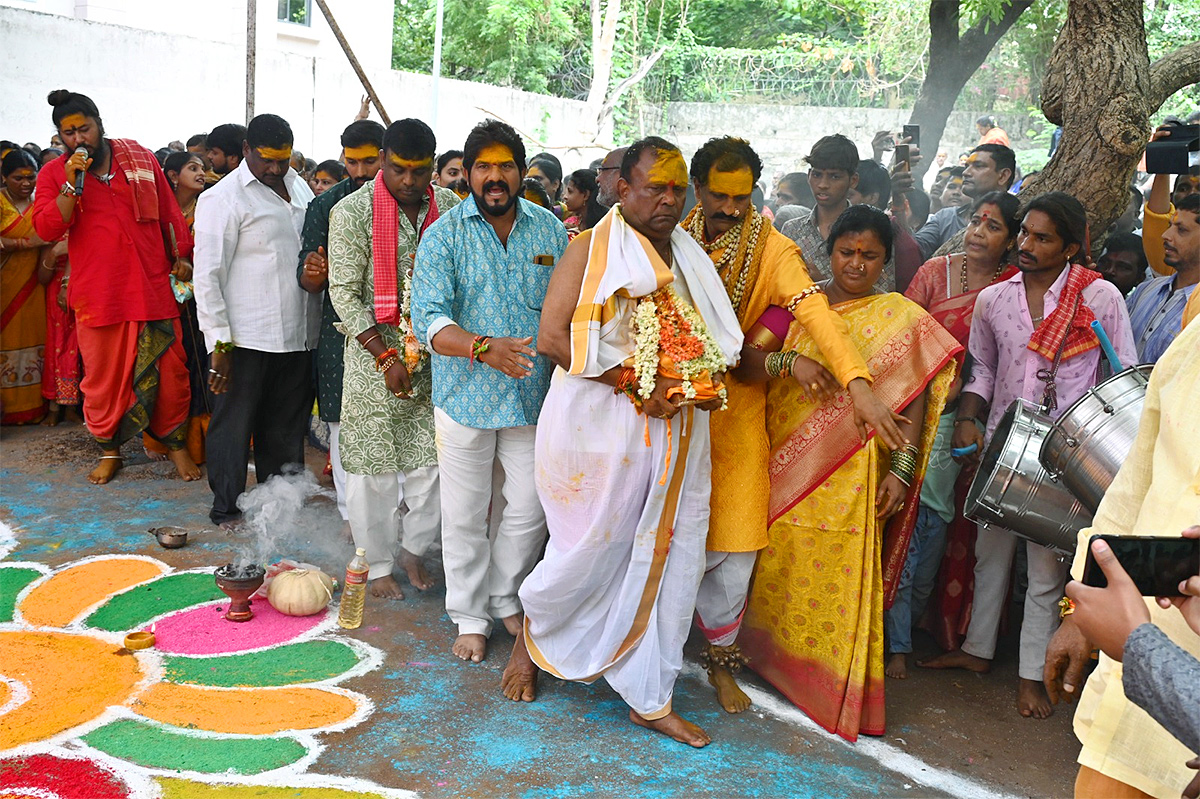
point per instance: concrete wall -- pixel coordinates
(782, 134)
(156, 86)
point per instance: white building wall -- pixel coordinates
(167, 78)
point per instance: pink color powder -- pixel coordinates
(204, 631)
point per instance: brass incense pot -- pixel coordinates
(238, 583)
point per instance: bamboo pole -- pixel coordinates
(358, 70)
(251, 55)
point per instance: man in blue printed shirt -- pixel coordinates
(480, 277)
(1156, 306)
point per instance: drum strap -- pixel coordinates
(1050, 395)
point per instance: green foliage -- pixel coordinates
(1169, 26)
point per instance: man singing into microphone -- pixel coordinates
(126, 239)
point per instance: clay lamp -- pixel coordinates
(238, 583)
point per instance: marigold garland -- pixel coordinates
(415, 355)
(665, 324)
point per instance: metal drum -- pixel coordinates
(1088, 443)
(1012, 490)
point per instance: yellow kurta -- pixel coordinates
(739, 434)
(1156, 492)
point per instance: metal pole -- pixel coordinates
(437, 59)
(358, 70)
(251, 53)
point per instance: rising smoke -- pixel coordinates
(290, 517)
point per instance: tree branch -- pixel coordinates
(1172, 72)
(628, 83)
(983, 35)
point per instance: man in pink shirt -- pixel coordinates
(1018, 327)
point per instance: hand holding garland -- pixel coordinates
(388, 361)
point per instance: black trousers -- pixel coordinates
(269, 400)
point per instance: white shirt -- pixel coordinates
(247, 248)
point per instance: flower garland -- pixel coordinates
(666, 324)
(415, 355)
(741, 250)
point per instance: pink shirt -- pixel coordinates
(1006, 369)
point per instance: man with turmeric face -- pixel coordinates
(769, 287)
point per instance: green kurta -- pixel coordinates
(380, 432)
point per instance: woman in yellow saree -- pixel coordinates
(814, 621)
(22, 298)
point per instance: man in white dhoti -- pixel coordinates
(642, 330)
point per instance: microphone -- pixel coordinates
(80, 173)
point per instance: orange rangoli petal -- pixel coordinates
(250, 711)
(66, 595)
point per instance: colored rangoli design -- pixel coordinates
(213, 708)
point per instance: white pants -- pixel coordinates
(339, 474)
(374, 500)
(994, 551)
(482, 574)
(722, 597)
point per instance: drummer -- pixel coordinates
(1031, 339)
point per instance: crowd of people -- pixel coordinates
(628, 398)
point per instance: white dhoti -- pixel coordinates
(626, 496)
(721, 599)
(614, 594)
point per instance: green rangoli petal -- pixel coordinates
(308, 661)
(138, 605)
(155, 747)
(13, 580)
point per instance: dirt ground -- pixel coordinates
(441, 729)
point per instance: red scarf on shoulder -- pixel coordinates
(385, 242)
(139, 167)
(1064, 321)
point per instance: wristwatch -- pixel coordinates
(67, 190)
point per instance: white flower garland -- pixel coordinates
(648, 344)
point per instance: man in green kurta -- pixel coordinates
(387, 434)
(362, 151)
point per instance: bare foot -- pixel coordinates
(729, 694)
(110, 464)
(386, 588)
(51, 419)
(957, 659)
(1032, 700)
(519, 682)
(674, 726)
(897, 666)
(184, 464)
(72, 415)
(514, 624)
(157, 457)
(470, 646)
(414, 567)
(231, 526)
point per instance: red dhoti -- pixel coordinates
(135, 378)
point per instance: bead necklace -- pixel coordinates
(965, 286)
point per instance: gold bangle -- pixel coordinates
(372, 338)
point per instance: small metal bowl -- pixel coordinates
(170, 537)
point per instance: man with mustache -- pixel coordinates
(990, 167)
(387, 440)
(135, 376)
(763, 273)
(1156, 307)
(480, 278)
(260, 327)
(1031, 339)
(623, 448)
(362, 143)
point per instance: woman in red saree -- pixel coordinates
(947, 286)
(814, 620)
(22, 298)
(61, 373)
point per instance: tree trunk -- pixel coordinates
(605, 15)
(1101, 88)
(953, 59)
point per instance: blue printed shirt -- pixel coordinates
(463, 275)
(1156, 315)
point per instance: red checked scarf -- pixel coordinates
(385, 241)
(139, 166)
(1065, 321)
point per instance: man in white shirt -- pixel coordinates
(258, 324)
